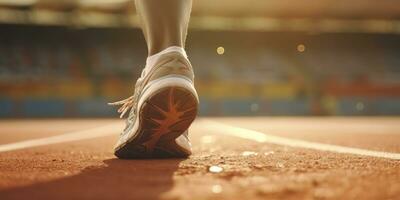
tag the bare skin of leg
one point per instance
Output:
(164, 22)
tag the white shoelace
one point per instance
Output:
(128, 103)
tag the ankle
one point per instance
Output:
(155, 49)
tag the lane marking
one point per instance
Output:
(101, 131)
(208, 125)
(261, 137)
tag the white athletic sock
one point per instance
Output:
(151, 60)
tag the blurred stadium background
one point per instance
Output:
(68, 58)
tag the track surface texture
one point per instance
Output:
(223, 166)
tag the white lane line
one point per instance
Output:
(218, 127)
(101, 131)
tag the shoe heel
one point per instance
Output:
(167, 115)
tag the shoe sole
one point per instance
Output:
(163, 117)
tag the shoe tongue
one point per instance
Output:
(153, 59)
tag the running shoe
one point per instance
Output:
(162, 108)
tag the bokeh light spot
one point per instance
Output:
(254, 107)
(301, 48)
(360, 106)
(220, 50)
(216, 188)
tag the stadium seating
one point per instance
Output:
(58, 71)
